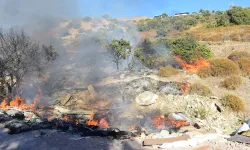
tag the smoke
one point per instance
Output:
(82, 60)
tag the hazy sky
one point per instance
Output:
(127, 8)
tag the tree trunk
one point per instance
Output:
(117, 65)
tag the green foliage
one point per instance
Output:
(232, 82)
(239, 15)
(168, 71)
(200, 89)
(119, 49)
(188, 49)
(233, 102)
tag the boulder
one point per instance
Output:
(146, 98)
(15, 114)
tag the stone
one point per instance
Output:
(15, 114)
(122, 76)
(146, 98)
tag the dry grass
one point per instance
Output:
(223, 67)
(238, 54)
(232, 83)
(244, 65)
(168, 71)
(204, 72)
(234, 33)
(233, 102)
(200, 89)
(219, 67)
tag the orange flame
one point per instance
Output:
(3, 104)
(185, 86)
(19, 102)
(159, 122)
(193, 67)
(102, 123)
(91, 121)
(178, 123)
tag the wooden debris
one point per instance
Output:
(149, 142)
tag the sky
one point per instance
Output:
(130, 8)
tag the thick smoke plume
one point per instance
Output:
(82, 59)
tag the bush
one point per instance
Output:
(238, 54)
(233, 102)
(187, 48)
(244, 65)
(204, 72)
(232, 82)
(168, 71)
(223, 67)
(200, 89)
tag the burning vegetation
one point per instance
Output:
(19, 102)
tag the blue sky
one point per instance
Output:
(129, 8)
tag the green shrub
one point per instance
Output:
(168, 71)
(238, 54)
(232, 83)
(200, 89)
(244, 65)
(223, 67)
(187, 49)
(233, 102)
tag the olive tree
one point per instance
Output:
(119, 50)
(21, 56)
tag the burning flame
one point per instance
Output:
(19, 102)
(159, 122)
(178, 123)
(193, 67)
(103, 123)
(91, 121)
(185, 86)
(3, 104)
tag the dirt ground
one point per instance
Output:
(54, 140)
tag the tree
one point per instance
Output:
(239, 15)
(119, 49)
(21, 56)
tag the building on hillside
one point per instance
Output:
(182, 14)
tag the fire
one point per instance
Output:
(159, 122)
(193, 67)
(19, 102)
(91, 121)
(103, 123)
(3, 104)
(185, 86)
(178, 123)
(133, 127)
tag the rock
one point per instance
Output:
(122, 76)
(65, 99)
(146, 98)
(164, 133)
(15, 114)
(170, 90)
(31, 116)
